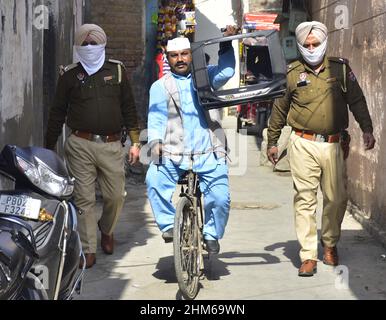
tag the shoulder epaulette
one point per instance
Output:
(116, 62)
(293, 65)
(344, 63)
(338, 60)
(70, 67)
(121, 68)
(63, 70)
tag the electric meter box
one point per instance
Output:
(290, 48)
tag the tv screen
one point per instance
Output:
(262, 69)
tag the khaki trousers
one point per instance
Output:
(89, 162)
(315, 164)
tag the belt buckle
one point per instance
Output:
(97, 138)
(320, 138)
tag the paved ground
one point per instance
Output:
(259, 254)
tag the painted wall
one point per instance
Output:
(17, 107)
(211, 16)
(35, 38)
(363, 43)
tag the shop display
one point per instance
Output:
(175, 18)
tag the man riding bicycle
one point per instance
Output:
(179, 126)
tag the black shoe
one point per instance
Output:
(212, 246)
(168, 235)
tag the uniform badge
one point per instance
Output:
(81, 76)
(109, 78)
(352, 77)
(303, 80)
(303, 76)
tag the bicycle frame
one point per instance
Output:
(188, 238)
(193, 193)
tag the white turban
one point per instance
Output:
(95, 32)
(304, 29)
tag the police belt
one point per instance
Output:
(96, 137)
(312, 136)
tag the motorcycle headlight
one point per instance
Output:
(45, 179)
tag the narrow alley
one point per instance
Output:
(259, 253)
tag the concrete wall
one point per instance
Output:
(19, 106)
(124, 22)
(265, 5)
(210, 19)
(35, 37)
(364, 45)
(212, 15)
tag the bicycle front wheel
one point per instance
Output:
(187, 253)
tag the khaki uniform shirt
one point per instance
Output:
(99, 104)
(318, 102)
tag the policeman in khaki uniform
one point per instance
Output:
(95, 99)
(315, 106)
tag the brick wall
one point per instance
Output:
(123, 23)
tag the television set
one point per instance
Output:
(263, 70)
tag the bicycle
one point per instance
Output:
(188, 238)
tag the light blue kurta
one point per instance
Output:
(213, 173)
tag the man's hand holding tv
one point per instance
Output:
(230, 30)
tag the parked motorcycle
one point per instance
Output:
(40, 248)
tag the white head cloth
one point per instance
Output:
(178, 44)
(92, 57)
(320, 31)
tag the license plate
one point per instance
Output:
(20, 206)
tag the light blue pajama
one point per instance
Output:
(161, 181)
